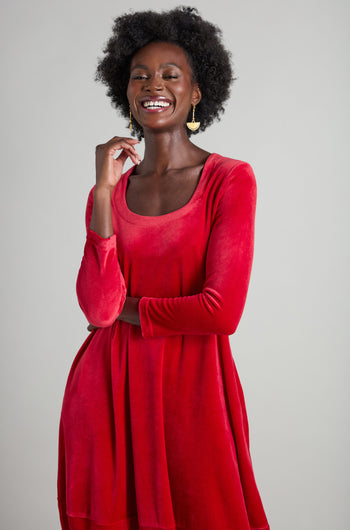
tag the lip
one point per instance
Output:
(155, 98)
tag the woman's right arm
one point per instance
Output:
(100, 284)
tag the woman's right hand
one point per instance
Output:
(108, 173)
(110, 169)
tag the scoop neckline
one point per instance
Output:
(145, 219)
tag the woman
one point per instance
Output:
(153, 431)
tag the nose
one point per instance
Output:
(155, 82)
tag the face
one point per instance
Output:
(161, 89)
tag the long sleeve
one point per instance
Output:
(100, 285)
(217, 309)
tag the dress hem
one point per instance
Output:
(129, 523)
(84, 522)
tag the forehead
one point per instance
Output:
(158, 53)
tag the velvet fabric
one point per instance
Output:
(154, 431)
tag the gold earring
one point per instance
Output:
(130, 120)
(193, 125)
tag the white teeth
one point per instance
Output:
(155, 104)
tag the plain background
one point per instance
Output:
(289, 117)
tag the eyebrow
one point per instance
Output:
(144, 67)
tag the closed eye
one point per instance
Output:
(136, 77)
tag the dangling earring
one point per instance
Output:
(130, 120)
(193, 125)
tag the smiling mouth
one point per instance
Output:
(155, 104)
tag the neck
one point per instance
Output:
(167, 150)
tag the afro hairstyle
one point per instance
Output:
(202, 42)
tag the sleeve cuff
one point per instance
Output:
(146, 327)
(106, 242)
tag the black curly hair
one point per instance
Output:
(183, 26)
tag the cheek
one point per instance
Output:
(129, 92)
(184, 90)
(185, 93)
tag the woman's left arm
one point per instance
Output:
(218, 308)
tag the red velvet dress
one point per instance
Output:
(154, 431)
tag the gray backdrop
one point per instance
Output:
(289, 117)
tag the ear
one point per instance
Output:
(196, 94)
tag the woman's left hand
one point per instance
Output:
(130, 313)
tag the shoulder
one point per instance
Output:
(231, 167)
(224, 171)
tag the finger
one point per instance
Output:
(127, 139)
(125, 154)
(122, 157)
(123, 145)
(135, 157)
